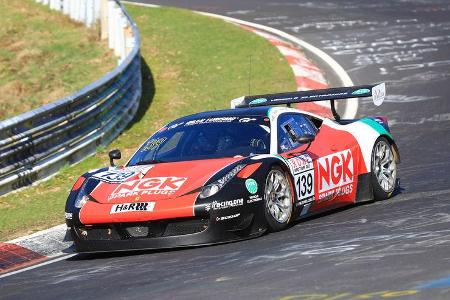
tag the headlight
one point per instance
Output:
(209, 190)
(82, 197)
(213, 188)
(81, 200)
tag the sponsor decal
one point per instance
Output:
(254, 198)
(153, 144)
(175, 125)
(378, 94)
(284, 99)
(303, 170)
(211, 120)
(223, 218)
(114, 175)
(300, 163)
(336, 175)
(132, 207)
(361, 92)
(68, 216)
(246, 120)
(215, 205)
(251, 185)
(148, 186)
(258, 101)
(225, 179)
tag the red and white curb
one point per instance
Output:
(307, 75)
(47, 246)
(36, 248)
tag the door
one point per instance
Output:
(325, 171)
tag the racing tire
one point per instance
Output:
(278, 196)
(384, 169)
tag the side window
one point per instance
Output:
(290, 125)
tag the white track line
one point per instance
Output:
(141, 4)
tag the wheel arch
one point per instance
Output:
(394, 147)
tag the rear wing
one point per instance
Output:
(377, 92)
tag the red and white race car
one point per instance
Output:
(233, 174)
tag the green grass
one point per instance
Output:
(198, 63)
(45, 56)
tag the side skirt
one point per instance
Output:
(364, 190)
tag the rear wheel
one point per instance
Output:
(278, 195)
(384, 169)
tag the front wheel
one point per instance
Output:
(278, 204)
(384, 169)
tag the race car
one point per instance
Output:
(233, 174)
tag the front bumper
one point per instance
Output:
(184, 232)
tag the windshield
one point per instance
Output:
(206, 138)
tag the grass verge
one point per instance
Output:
(44, 56)
(191, 63)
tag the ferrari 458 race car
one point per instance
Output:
(232, 174)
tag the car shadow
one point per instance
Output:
(148, 93)
(397, 191)
(137, 252)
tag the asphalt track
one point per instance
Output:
(398, 248)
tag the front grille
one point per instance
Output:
(137, 231)
(99, 233)
(152, 229)
(183, 227)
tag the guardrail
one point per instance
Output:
(36, 144)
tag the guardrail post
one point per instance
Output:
(66, 7)
(97, 7)
(129, 40)
(57, 5)
(118, 32)
(111, 13)
(123, 46)
(83, 11)
(104, 19)
(90, 13)
(74, 9)
(78, 12)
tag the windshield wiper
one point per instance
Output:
(150, 161)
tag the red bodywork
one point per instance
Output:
(333, 163)
(170, 188)
(336, 161)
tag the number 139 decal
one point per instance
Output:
(304, 184)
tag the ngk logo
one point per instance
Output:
(154, 185)
(335, 170)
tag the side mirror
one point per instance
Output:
(306, 138)
(114, 154)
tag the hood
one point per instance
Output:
(156, 182)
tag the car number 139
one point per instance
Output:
(304, 183)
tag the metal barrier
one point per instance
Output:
(36, 144)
